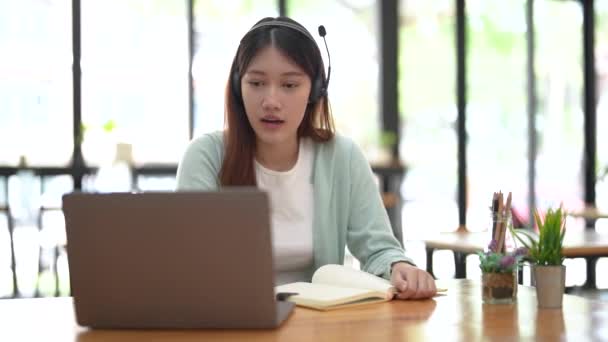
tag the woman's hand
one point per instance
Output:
(412, 282)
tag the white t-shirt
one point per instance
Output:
(291, 208)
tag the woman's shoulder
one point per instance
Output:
(208, 145)
(213, 139)
(200, 164)
(342, 153)
(339, 146)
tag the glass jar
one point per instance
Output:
(499, 288)
(502, 223)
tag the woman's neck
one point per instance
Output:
(277, 157)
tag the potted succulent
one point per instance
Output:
(545, 255)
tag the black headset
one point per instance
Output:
(318, 86)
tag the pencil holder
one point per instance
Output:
(504, 222)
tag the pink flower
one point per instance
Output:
(507, 261)
(493, 245)
(521, 251)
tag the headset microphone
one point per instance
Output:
(322, 33)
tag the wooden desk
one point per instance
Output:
(457, 316)
(587, 244)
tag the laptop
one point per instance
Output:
(172, 260)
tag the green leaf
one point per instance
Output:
(546, 247)
(109, 126)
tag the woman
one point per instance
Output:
(279, 136)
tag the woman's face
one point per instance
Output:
(275, 93)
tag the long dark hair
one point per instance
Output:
(239, 137)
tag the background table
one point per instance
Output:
(587, 244)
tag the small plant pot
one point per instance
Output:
(550, 284)
(499, 288)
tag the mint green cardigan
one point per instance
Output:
(348, 209)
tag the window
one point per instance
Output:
(352, 39)
(156, 183)
(6, 272)
(497, 118)
(3, 192)
(219, 26)
(428, 115)
(560, 115)
(134, 79)
(35, 82)
(601, 64)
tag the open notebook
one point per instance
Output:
(337, 286)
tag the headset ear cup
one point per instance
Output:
(317, 90)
